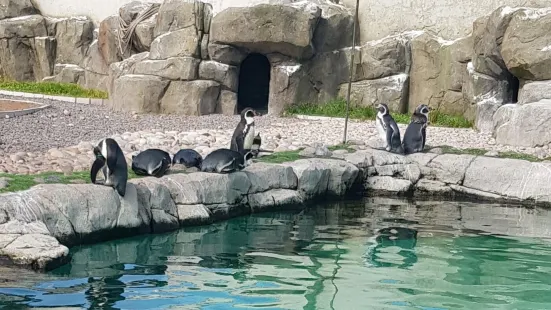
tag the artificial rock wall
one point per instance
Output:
(186, 60)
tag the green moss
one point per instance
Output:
(515, 155)
(280, 157)
(19, 182)
(52, 88)
(342, 146)
(337, 108)
(446, 149)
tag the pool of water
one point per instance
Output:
(370, 254)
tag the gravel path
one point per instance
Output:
(60, 138)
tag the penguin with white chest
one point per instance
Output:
(415, 135)
(388, 130)
(225, 161)
(110, 159)
(244, 134)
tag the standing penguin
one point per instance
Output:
(243, 135)
(415, 136)
(151, 162)
(388, 130)
(225, 161)
(110, 159)
(188, 157)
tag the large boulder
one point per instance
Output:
(534, 91)
(179, 14)
(145, 33)
(227, 103)
(488, 32)
(289, 84)
(74, 36)
(179, 43)
(524, 125)
(23, 27)
(124, 67)
(109, 31)
(17, 60)
(96, 70)
(226, 75)
(129, 11)
(199, 97)
(287, 29)
(16, 8)
(68, 73)
(175, 68)
(527, 44)
(392, 90)
(335, 21)
(438, 69)
(44, 54)
(225, 54)
(138, 93)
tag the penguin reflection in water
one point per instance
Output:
(388, 130)
(225, 161)
(415, 136)
(151, 162)
(110, 159)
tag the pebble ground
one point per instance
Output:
(60, 138)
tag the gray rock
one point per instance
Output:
(387, 184)
(199, 97)
(392, 90)
(426, 187)
(176, 68)
(227, 103)
(409, 172)
(317, 150)
(207, 17)
(23, 27)
(4, 182)
(176, 15)
(145, 33)
(264, 177)
(509, 178)
(6, 239)
(528, 59)
(226, 211)
(524, 125)
(191, 215)
(179, 43)
(68, 73)
(108, 40)
(292, 38)
(138, 93)
(45, 50)
(534, 91)
(129, 11)
(226, 75)
(313, 177)
(41, 252)
(449, 168)
(334, 21)
(16, 8)
(164, 213)
(274, 198)
(16, 59)
(74, 36)
(94, 61)
(225, 54)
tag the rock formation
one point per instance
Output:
(186, 59)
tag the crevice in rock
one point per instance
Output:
(513, 88)
(466, 169)
(254, 83)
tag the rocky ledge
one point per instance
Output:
(38, 225)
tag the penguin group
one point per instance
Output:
(110, 159)
(414, 137)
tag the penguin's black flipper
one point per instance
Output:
(121, 188)
(96, 167)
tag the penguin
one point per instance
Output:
(415, 135)
(388, 130)
(110, 159)
(243, 135)
(151, 162)
(188, 157)
(225, 161)
(255, 147)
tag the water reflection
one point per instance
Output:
(374, 254)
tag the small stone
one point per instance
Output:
(66, 112)
(4, 182)
(7, 116)
(491, 154)
(67, 170)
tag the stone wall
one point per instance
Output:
(38, 225)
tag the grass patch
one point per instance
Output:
(52, 88)
(446, 149)
(342, 146)
(20, 182)
(337, 108)
(280, 157)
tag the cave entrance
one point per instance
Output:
(254, 83)
(514, 86)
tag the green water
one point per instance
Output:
(372, 254)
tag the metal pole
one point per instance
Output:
(351, 71)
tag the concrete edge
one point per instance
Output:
(15, 113)
(76, 100)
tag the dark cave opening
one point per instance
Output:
(514, 86)
(254, 83)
